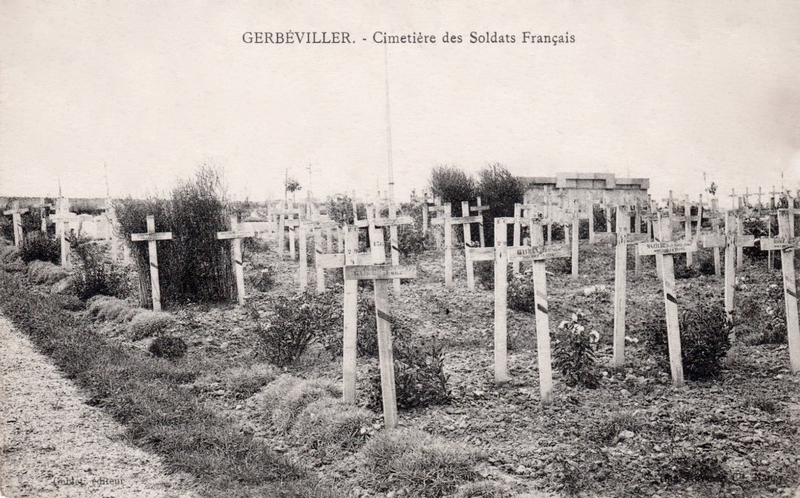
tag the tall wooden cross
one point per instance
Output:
(538, 255)
(44, 210)
(663, 249)
(62, 219)
(731, 241)
(235, 235)
(394, 221)
(317, 226)
(151, 237)
(380, 275)
(445, 219)
(479, 209)
(787, 243)
(16, 218)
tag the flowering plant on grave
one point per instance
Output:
(574, 353)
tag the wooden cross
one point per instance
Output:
(446, 221)
(285, 222)
(787, 243)
(623, 238)
(151, 237)
(317, 226)
(731, 242)
(441, 212)
(393, 221)
(44, 210)
(380, 275)
(663, 249)
(519, 210)
(62, 220)
(538, 255)
(16, 218)
(235, 235)
(479, 209)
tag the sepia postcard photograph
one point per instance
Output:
(367, 249)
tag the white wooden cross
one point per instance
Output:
(316, 226)
(151, 237)
(380, 275)
(663, 249)
(787, 243)
(393, 221)
(235, 235)
(62, 220)
(445, 219)
(731, 242)
(44, 210)
(479, 209)
(624, 237)
(538, 255)
(16, 218)
(441, 212)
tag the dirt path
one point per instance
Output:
(54, 445)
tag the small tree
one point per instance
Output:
(452, 185)
(500, 190)
(292, 185)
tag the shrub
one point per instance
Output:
(340, 209)
(331, 426)
(45, 273)
(194, 266)
(520, 291)
(704, 330)
(484, 274)
(452, 185)
(417, 462)
(262, 279)
(574, 354)
(295, 323)
(94, 276)
(37, 246)
(287, 396)
(500, 190)
(170, 348)
(418, 373)
(149, 324)
(764, 315)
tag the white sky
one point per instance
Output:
(663, 90)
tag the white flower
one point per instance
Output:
(563, 324)
(595, 336)
(574, 317)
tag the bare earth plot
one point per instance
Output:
(54, 445)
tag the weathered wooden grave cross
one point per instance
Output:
(392, 222)
(380, 275)
(538, 255)
(624, 237)
(62, 219)
(663, 249)
(16, 218)
(787, 243)
(151, 237)
(235, 235)
(317, 226)
(732, 242)
(478, 210)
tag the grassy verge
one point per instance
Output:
(146, 395)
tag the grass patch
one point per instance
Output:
(45, 273)
(332, 427)
(287, 396)
(146, 395)
(150, 324)
(417, 462)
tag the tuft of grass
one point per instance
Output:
(243, 382)
(763, 402)
(170, 348)
(417, 462)
(287, 396)
(45, 273)
(8, 254)
(110, 309)
(606, 431)
(149, 324)
(331, 426)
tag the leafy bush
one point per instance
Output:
(37, 246)
(484, 274)
(704, 331)
(418, 373)
(452, 185)
(295, 323)
(520, 291)
(340, 209)
(45, 273)
(194, 266)
(500, 190)
(417, 462)
(170, 348)
(764, 315)
(574, 354)
(94, 275)
(149, 324)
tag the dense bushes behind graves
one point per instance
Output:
(194, 266)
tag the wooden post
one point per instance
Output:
(394, 241)
(151, 237)
(350, 346)
(664, 250)
(424, 214)
(302, 272)
(591, 220)
(575, 236)
(380, 275)
(715, 230)
(687, 214)
(730, 263)
(517, 230)
(62, 219)
(620, 281)
(16, 219)
(235, 236)
(637, 230)
(740, 232)
(281, 232)
(466, 226)
(500, 302)
(480, 209)
(787, 243)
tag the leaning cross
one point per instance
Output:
(151, 237)
(235, 236)
(16, 218)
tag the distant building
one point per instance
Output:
(598, 187)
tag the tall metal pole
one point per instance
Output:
(388, 125)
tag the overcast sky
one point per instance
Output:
(665, 90)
